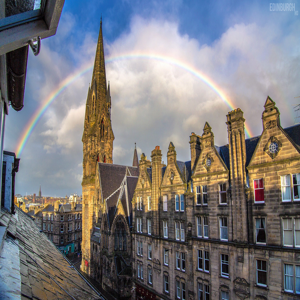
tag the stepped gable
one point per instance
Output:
(34, 264)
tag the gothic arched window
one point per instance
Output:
(120, 236)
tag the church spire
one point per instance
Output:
(99, 66)
(135, 162)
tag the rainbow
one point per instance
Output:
(71, 78)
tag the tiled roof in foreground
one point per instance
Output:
(32, 268)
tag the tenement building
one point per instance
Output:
(62, 224)
(223, 225)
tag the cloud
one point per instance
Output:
(153, 101)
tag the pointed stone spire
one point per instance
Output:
(99, 66)
(135, 162)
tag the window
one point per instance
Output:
(179, 231)
(180, 261)
(290, 190)
(149, 202)
(139, 225)
(61, 239)
(296, 186)
(150, 276)
(183, 290)
(138, 270)
(198, 195)
(61, 217)
(166, 257)
(149, 226)
(222, 195)
(139, 248)
(224, 295)
(51, 217)
(180, 290)
(51, 227)
(259, 191)
(286, 188)
(291, 232)
(165, 203)
(261, 272)
(292, 278)
(224, 265)
(140, 273)
(69, 227)
(44, 226)
(201, 194)
(139, 203)
(166, 283)
(177, 202)
(203, 262)
(75, 216)
(61, 228)
(260, 224)
(203, 233)
(48, 217)
(223, 229)
(181, 202)
(165, 227)
(203, 291)
(149, 251)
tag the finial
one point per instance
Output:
(101, 20)
(135, 145)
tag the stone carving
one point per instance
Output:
(271, 124)
(241, 288)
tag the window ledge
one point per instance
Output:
(261, 286)
(223, 277)
(259, 203)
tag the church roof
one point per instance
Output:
(113, 178)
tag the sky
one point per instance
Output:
(180, 60)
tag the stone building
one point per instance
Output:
(107, 192)
(224, 225)
(63, 226)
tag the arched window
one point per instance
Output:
(120, 236)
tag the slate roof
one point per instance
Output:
(111, 178)
(67, 208)
(294, 133)
(49, 208)
(32, 266)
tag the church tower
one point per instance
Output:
(97, 142)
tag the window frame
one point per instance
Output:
(166, 256)
(261, 271)
(258, 229)
(149, 252)
(259, 188)
(177, 204)
(149, 227)
(222, 227)
(165, 229)
(149, 203)
(222, 192)
(224, 262)
(166, 284)
(181, 202)
(165, 202)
